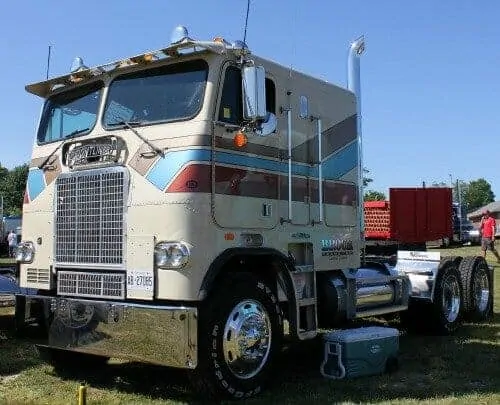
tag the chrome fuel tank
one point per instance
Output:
(373, 287)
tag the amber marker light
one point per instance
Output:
(229, 236)
(240, 139)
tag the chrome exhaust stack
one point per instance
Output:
(354, 84)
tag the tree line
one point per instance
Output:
(473, 194)
(12, 187)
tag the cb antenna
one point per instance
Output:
(246, 22)
(48, 63)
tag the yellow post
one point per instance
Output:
(82, 395)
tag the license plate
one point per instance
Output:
(140, 281)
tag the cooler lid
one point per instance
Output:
(359, 334)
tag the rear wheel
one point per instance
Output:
(476, 284)
(447, 304)
(443, 314)
(241, 331)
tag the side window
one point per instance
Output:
(231, 106)
(270, 96)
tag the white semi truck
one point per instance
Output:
(184, 204)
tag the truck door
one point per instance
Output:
(245, 186)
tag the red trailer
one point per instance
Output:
(411, 217)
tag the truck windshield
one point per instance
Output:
(70, 113)
(166, 93)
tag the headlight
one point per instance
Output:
(25, 252)
(171, 255)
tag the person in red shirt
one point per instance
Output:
(487, 229)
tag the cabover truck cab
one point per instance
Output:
(184, 205)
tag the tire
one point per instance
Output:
(19, 316)
(240, 299)
(477, 291)
(446, 308)
(21, 328)
(426, 317)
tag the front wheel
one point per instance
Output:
(241, 331)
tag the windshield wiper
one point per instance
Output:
(129, 124)
(76, 132)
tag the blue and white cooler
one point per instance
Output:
(351, 353)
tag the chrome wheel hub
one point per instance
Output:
(247, 339)
(482, 290)
(451, 298)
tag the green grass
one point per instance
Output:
(459, 369)
(7, 260)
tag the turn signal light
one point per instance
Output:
(240, 139)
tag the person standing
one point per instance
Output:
(487, 229)
(12, 240)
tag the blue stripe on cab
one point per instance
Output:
(36, 183)
(260, 163)
(164, 169)
(334, 167)
(337, 165)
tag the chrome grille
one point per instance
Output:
(89, 217)
(92, 285)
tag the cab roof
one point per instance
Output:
(80, 73)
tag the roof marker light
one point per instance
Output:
(179, 34)
(78, 65)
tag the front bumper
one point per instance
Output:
(163, 335)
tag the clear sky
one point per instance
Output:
(430, 81)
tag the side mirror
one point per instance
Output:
(268, 126)
(254, 93)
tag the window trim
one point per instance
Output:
(222, 82)
(101, 91)
(273, 82)
(105, 103)
(222, 79)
